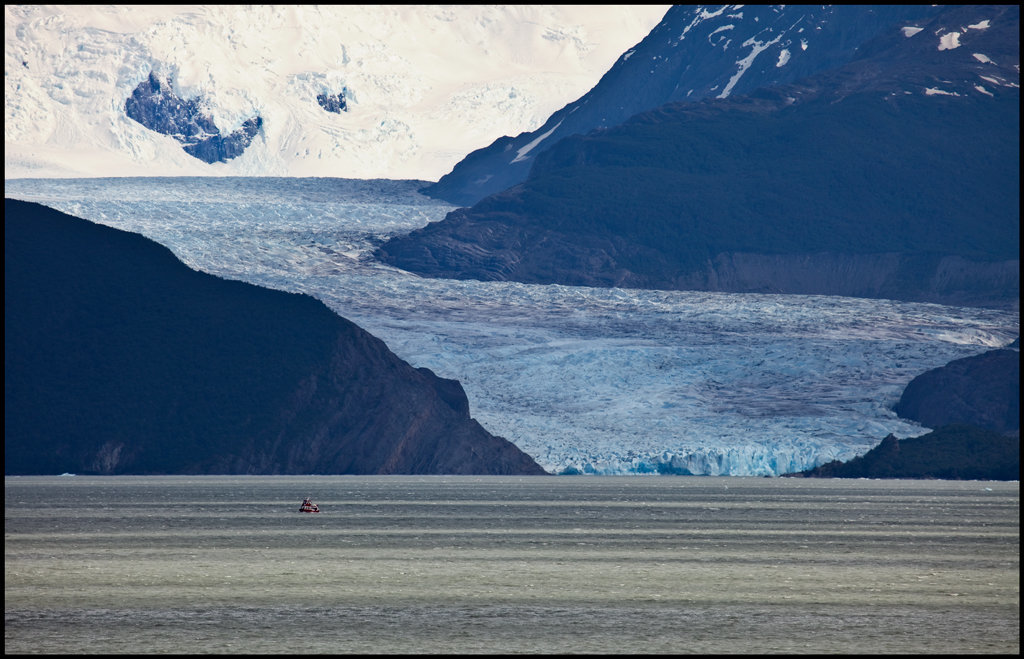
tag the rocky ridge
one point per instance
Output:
(694, 53)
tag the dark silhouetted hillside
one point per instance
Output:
(952, 452)
(119, 359)
(982, 391)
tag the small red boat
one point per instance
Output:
(308, 506)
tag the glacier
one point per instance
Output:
(585, 380)
(424, 84)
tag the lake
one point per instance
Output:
(437, 564)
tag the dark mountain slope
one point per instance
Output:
(695, 52)
(982, 391)
(974, 406)
(894, 176)
(952, 452)
(119, 359)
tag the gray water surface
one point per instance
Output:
(509, 565)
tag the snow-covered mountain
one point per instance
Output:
(422, 85)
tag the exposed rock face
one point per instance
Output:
(221, 149)
(333, 102)
(982, 391)
(849, 182)
(951, 452)
(154, 105)
(121, 360)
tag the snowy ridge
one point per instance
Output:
(425, 84)
(606, 381)
(699, 53)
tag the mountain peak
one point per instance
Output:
(698, 54)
